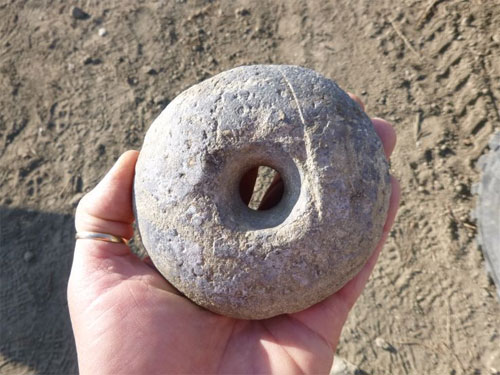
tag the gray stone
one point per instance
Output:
(79, 14)
(28, 256)
(342, 366)
(257, 264)
(381, 343)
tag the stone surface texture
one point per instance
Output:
(257, 264)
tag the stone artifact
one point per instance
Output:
(248, 263)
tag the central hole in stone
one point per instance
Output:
(261, 188)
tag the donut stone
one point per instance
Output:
(246, 263)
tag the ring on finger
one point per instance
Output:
(106, 237)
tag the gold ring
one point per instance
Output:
(100, 237)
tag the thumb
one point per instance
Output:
(108, 207)
(97, 265)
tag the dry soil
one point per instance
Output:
(75, 93)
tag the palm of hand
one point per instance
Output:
(135, 308)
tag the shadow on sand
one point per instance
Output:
(36, 250)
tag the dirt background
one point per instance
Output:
(72, 100)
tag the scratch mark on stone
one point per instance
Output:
(315, 188)
(299, 108)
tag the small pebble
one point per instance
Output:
(79, 14)
(467, 21)
(159, 100)
(89, 60)
(448, 108)
(28, 256)
(102, 32)
(343, 367)
(381, 343)
(149, 70)
(460, 188)
(242, 12)
(132, 81)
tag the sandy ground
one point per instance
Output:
(72, 100)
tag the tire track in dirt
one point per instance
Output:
(462, 78)
(431, 249)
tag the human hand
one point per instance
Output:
(127, 319)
